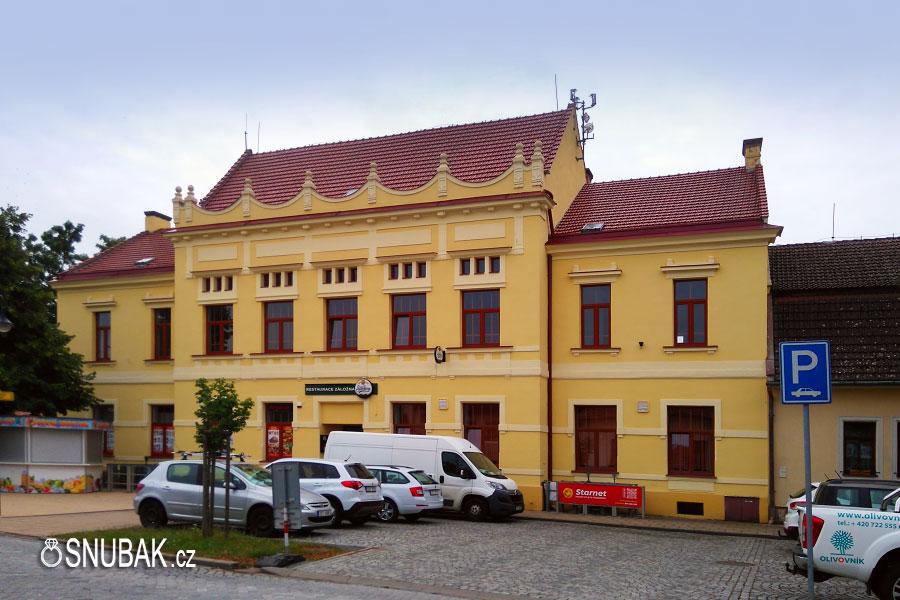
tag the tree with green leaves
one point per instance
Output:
(220, 414)
(35, 360)
(106, 242)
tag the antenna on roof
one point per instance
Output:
(587, 128)
(556, 91)
(245, 132)
(258, 127)
(833, 208)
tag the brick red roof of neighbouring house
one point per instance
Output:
(476, 152)
(846, 292)
(121, 259)
(666, 204)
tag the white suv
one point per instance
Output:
(352, 490)
(408, 492)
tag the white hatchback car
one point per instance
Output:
(792, 516)
(408, 492)
(173, 491)
(353, 491)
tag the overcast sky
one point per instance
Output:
(106, 107)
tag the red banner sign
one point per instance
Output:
(599, 494)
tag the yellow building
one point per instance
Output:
(848, 293)
(305, 272)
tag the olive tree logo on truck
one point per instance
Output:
(842, 541)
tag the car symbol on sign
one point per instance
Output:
(806, 392)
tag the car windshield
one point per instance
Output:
(802, 492)
(422, 477)
(255, 474)
(484, 464)
(359, 471)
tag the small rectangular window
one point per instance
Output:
(326, 276)
(217, 284)
(407, 271)
(102, 336)
(465, 266)
(479, 265)
(352, 275)
(229, 283)
(264, 280)
(495, 264)
(162, 332)
(690, 312)
(276, 279)
(206, 284)
(394, 271)
(339, 275)
(289, 279)
(420, 269)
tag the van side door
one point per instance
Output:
(453, 486)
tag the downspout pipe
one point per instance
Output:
(549, 368)
(772, 514)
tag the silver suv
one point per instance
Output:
(173, 491)
(408, 492)
(353, 491)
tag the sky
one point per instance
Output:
(106, 106)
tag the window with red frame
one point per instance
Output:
(106, 413)
(219, 329)
(342, 324)
(409, 418)
(162, 333)
(102, 336)
(690, 312)
(408, 320)
(595, 439)
(595, 316)
(162, 433)
(691, 431)
(482, 428)
(279, 432)
(481, 318)
(279, 324)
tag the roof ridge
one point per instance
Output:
(665, 176)
(247, 153)
(839, 241)
(403, 133)
(102, 254)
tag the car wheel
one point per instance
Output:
(887, 587)
(388, 512)
(152, 514)
(338, 511)
(475, 509)
(412, 518)
(261, 522)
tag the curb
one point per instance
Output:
(765, 536)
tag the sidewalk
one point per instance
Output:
(45, 515)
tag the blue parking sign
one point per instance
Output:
(805, 372)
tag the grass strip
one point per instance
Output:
(238, 547)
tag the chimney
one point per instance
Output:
(751, 151)
(154, 221)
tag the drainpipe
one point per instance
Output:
(772, 514)
(549, 368)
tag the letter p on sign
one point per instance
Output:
(796, 367)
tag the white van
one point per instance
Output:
(470, 482)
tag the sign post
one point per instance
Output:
(805, 369)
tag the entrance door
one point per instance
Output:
(279, 433)
(482, 428)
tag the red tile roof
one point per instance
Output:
(476, 152)
(870, 263)
(689, 200)
(120, 259)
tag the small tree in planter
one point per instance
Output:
(220, 413)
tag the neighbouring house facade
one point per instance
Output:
(848, 293)
(422, 283)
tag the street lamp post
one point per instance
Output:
(5, 326)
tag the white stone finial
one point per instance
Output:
(308, 188)
(443, 171)
(246, 196)
(190, 195)
(519, 166)
(372, 181)
(537, 165)
(177, 206)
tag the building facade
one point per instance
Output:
(431, 268)
(848, 293)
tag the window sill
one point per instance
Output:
(278, 354)
(339, 352)
(101, 363)
(159, 361)
(683, 476)
(463, 349)
(217, 356)
(610, 351)
(415, 350)
(673, 349)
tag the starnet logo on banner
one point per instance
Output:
(122, 553)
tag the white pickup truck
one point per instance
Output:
(859, 543)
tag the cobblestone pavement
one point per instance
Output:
(23, 577)
(560, 560)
